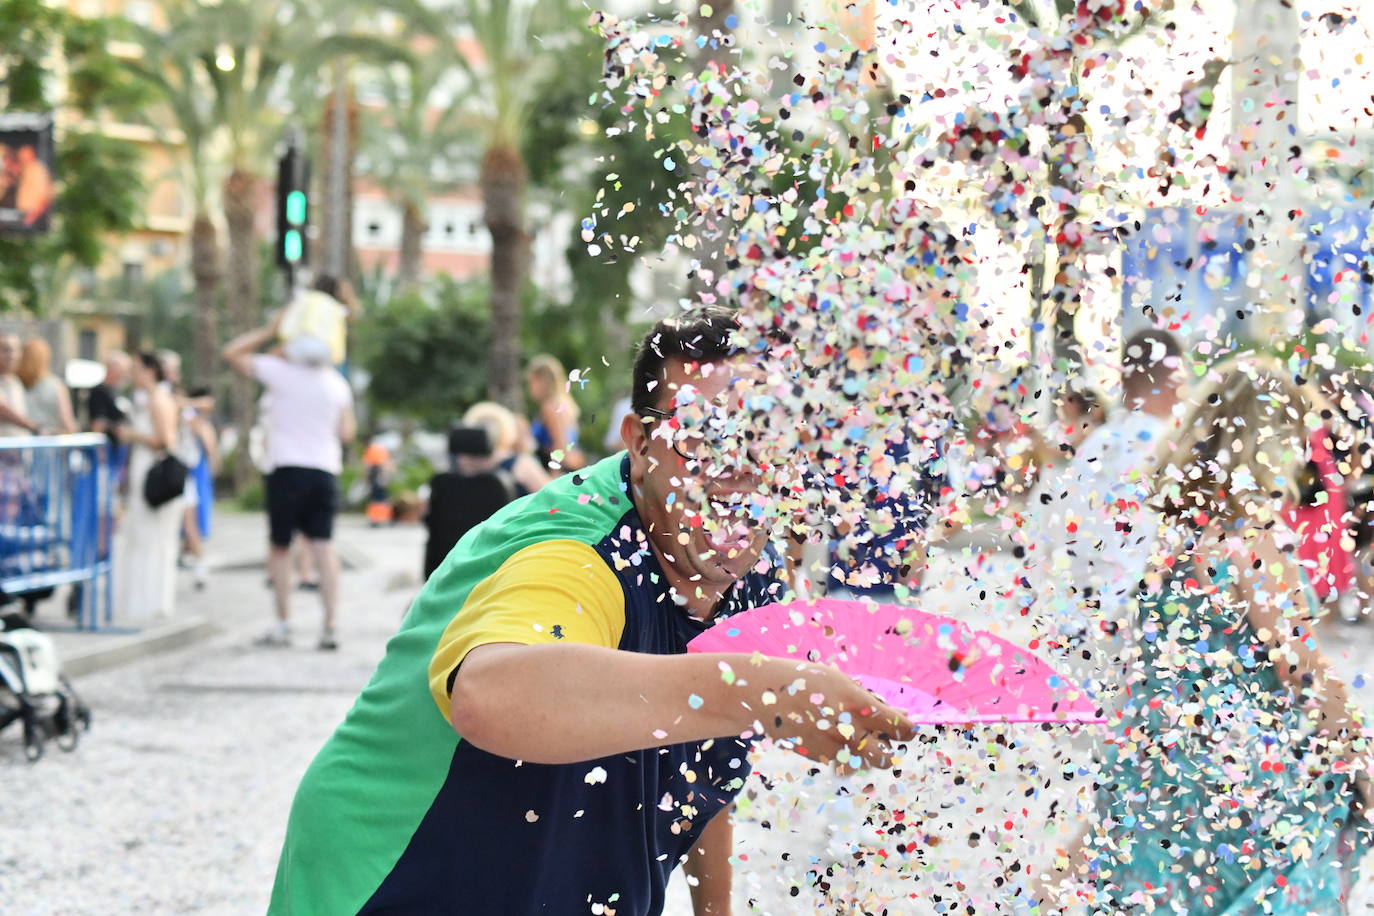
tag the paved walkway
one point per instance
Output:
(177, 799)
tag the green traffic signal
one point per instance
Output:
(295, 209)
(291, 245)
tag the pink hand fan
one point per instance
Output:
(936, 669)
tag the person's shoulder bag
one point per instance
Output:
(166, 481)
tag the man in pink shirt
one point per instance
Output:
(309, 418)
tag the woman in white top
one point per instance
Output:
(148, 547)
(49, 401)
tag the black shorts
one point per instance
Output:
(304, 500)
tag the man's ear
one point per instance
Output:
(633, 433)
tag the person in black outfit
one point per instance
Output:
(104, 413)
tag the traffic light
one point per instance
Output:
(293, 208)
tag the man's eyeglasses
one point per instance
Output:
(695, 440)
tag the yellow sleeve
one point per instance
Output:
(549, 592)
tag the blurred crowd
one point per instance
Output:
(148, 415)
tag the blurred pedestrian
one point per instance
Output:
(171, 368)
(378, 466)
(14, 405)
(49, 401)
(309, 418)
(199, 448)
(107, 411)
(107, 406)
(1101, 533)
(490, 465)
(888, 549)
(556, 413)
(1356, 404)
(1078, 413)
(612, 442)
(191, 450)
(149, 536)
(1322, 514)
(313, 325)
(1240, 753)
(503, 434)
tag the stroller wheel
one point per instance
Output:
(68, 739)
(67, 727)
(79, 711)
(33, 740)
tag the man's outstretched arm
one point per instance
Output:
(568, 702)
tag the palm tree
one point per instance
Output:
(242, 49)
(179, 85)
(224, 69)
(414, 147)
(337, 52)
(513, 49)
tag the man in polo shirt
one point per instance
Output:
(536, 740)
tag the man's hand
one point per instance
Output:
(513, 701)
(827, 716)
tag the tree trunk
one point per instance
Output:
(240, 199)
(334, 254)
(412, 247)
(206, 274)
(503, 211)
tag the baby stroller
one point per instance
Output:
(34, 692)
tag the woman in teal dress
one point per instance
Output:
(1229, 786)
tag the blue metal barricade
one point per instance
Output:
(56, 520)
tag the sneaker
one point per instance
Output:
(200, 575)
(308, 586)
(327, 641)
(278, 637)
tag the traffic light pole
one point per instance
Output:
(293, 209)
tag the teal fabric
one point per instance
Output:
(1215, 803)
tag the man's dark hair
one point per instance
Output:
(702, 334)
(327, 284)
(151, 361)
(1147, 361)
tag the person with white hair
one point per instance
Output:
(503, 434)
(309, 418)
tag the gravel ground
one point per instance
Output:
(176, 801)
